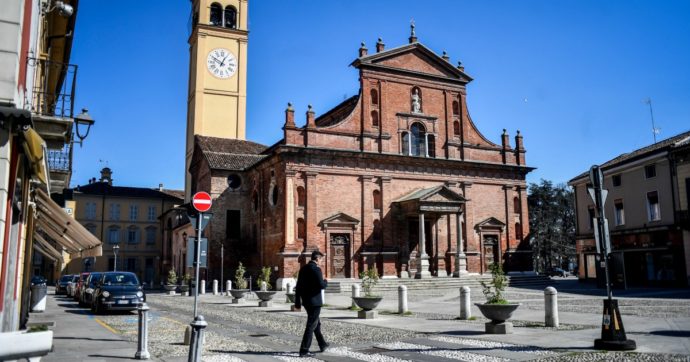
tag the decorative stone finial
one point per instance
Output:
(504, 131)
(289, 107)
(380, 45)
(413, 36)
(309, 108)
(363, 50)
(460, 66)
(445, 56)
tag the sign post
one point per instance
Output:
(201, 201)
(612, 331)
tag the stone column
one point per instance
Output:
(367, 207)
(422, 257)
(289, 210)
(460, 257)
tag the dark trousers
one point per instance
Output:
(313, 328)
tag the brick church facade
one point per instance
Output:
(397, 177)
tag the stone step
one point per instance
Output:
(470, 280)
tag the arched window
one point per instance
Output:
(516, 205)
(518, 231)
(374, 118)
(405, 143)
(377, 199)
(456, 108)
(376, 235)
(230, 15)
(431, 143)
(417, 140)
(301, 229)
(374, 97)
(456, 128)
(301, 197)
(216, 15)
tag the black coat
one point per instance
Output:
(309, 284)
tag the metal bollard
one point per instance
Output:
(228, 287)
(355, 294)
(263, 286)
(551, 307)
(202, 290)
(215, 286)
(402, 299)
(196, 345)
(465, 309)
(142, 342)
(288, 291)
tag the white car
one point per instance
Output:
(71, 285)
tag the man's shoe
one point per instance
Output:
(325, 347)
(306, 354)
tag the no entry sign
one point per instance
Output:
(201, 201)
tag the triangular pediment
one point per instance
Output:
(490, 223)
(414, 58)
(340, 218)
(433, 194)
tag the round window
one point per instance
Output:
(234, 181)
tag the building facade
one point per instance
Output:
(37, 122)
(126, 220)
(647, 212)
(396, 178)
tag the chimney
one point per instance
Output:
(310, 117)
(505, 140)
(363, 50)
(445, 56)
(518, 141)
(460, 66)
(380, 46)
(160, 187)
(107, 175)
(289, 116)
(413, 36)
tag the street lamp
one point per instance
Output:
(115, 249)
(82, 120)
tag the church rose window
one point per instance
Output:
(216, 14)
(234, 181)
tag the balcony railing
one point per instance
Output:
(60, 160)
(53, 92)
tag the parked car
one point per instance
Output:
(80, 283)
(37, 279)
(117, 291)
(86, 292)
(72, 285)
(61, 286)
(557, 272)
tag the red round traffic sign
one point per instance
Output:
(201, 201)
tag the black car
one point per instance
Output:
(117, 291)
(61, 287)
(86, 297)
(37, 280)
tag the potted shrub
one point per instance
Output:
(369, 301)
(265, 277)
(497, 309)
(172, 282)
(184, 283)
(240, 283)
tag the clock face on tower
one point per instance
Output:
(221, 63)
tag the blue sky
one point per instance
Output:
(570, 75)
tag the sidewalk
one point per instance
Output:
(79, 336)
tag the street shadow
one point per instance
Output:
(341, 318)
(108, 356)
(683, 334)
(93, 339)
(77, 311)
(462, 333)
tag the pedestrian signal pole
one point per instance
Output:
(612, 331)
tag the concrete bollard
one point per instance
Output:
(551, 307)
(215, 286)
(355, 293)
(202, 290)
(288, 290)
(142, 341)
(228, 287)
(323, 296)
(465, 301)
(187, 335)
(263, 286)
(402, 299)
(197, 342)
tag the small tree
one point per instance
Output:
(370, 278)
(240, 282)
(186, 278)
(265, 276)
(172, 277)
(493, 291)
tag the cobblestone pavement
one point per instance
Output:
(247, 333)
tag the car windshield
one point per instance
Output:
(66, 278)
(94, 279)
(120, 279)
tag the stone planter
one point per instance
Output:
(170, 287)
(498, 314)
(290, 297)
(184, 288)
(367, 303)
(265, 295)
(238, 293)
(20, 345)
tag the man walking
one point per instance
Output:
(310, 282)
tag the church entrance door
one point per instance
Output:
(490, 250)
(340, 256)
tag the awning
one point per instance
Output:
(42, 246)
(35, 148)
(19, 116)
(52, 222)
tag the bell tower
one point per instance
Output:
(217, 95)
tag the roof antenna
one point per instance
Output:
(655, 131)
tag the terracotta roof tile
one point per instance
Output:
(230, 154)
